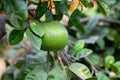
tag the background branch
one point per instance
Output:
(2, 26)
(84, 20)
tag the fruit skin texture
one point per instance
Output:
(55, 37)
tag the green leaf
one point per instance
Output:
(38, 58)
(41, 9)
(78, 45)
(109, 60)
(92, 78)
(91, 24)
(101, 7)
(116, 67)
(80, 70)
(83, 53)
(57, 74)
(74, 18)
(48, 16)
(94, 58)
(58, 16)
(37, 74)
(109, 51)
(111, 35)
(117, 40)
(101, 76)
(17, 12)
(92, 39)
(65, 5)
(36, 41)
(35, 1)
(85, 2)
(108, 2)
(101, 43)
(15, 36)
(8, 74)
(19, 62)
(37, 28)
(25, 69)
(1, 5)
(59, 11)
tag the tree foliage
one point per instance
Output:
(92, 52)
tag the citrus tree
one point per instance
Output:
(60, 39)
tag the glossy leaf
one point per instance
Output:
(109, 60)
(59, 11)
(78, 46)
(80, 70)
(108, 2)
(101, 7)
(92, 39)
(94, 58)
(37, 28)
(83, 53)
(36, 41)
(25, 69)
(38, 58)
(101, 43)
(92, 78)
(19, 62)
(35, 1)
(37, 74)
(109, 51)
(116, 67)
(15, 36)
(48, 16)
(74, 18)
(16, 12)
(57, 74)
(85, 2)
(41, 9)
(101, 76)
(0, 5)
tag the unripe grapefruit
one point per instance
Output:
(55, 37)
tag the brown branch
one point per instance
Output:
(2, 26)
(63, 57)
(92, 65)
(84, 20)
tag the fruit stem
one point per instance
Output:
(92, 65)
(60, 61)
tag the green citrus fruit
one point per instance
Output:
(55, 37)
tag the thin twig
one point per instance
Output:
(64, 58)
(92, 65)
(60, 60)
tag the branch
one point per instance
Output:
(2, 26)
(92, 65)
(84, 20)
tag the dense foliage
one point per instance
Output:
(92, 52)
